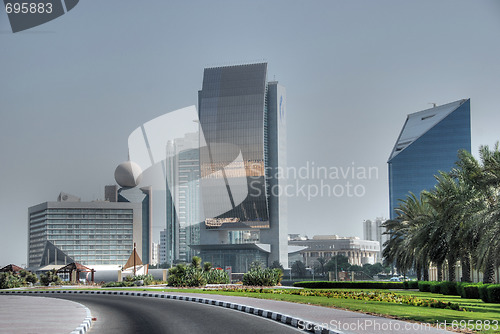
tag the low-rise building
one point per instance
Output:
(356, 250)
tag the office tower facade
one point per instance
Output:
(163, 246)
(429, 142)
(373, 230)
(242, 119)
(91, 233)
(183, 198)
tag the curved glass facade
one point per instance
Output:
(232, 113)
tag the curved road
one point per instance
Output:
(130, 314)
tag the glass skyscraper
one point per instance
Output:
(242, 118)
(183, 210)
(429, 142)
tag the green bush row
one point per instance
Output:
(410, 285)
(445, 288)
(348, 285)
(489, 293)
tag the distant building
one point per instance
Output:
(155, 254)
(183, 198)
(111, 193)
(428, 143)
(163, 246)
(356, 250)
(373, 230)
(91, 233)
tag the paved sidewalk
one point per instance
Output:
(40, 315)
(329, 318)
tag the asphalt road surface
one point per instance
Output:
(130, 314)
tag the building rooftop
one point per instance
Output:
(417, 124)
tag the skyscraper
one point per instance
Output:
(373, 230)
(242, 118)
(429, 142)
(183, 210)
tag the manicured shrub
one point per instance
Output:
(424, 286)
(410, 285)
(493, 291)
(348, 285)
(436, 287)
(483, 294)
(470, 291)
(449, 288)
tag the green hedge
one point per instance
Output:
(483, 294)
(493, 292)
(410, 285)
(424, 286)
(348, 285)
(449, 288)
(436, 287)
(469, 291)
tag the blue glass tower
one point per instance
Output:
(429, 142)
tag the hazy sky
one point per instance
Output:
(73, 89)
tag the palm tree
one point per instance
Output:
(481, 229)
(406, 246)
(449, 200)
(489, 244)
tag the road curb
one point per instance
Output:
(305, 325)
(80, 329)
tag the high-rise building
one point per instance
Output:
(163, 246)
(242, 118)
(155, 254)
(183, 198)
(429, 142)
(91, 233)
(373, 230)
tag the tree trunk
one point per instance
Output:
(465, 261)
(440, 272)
(419, 271)
(452, 277)
(489, 273)
(426, 273)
